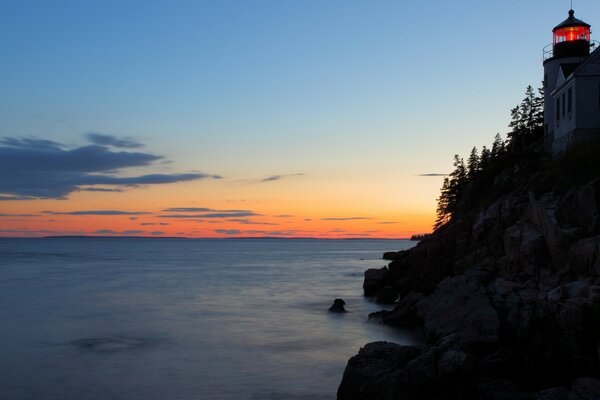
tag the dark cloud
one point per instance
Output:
(199, 209)
(188, 209)
(433, 174)
(250, 222)
(109, 140)
(283, 216)
(228, 231)
(164, 223)
(148, 224)
(93, 189)
(279, 177)
(387, 223)
(37, 169)
(96, 212)
(133, 232)
(233, 214)
(105, 232)
(344, 218)
(157, 233)
(17, 215)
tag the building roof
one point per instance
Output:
(569, 68)
(571, 21)
(590, 67)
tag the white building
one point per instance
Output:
(571, 86)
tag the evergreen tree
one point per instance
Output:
(473, 163)
(442, 212)
(485, 159)
(497, 147)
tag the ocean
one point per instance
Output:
(102, 318)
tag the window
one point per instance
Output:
(570, 96)
(558, 109)
(563, 105)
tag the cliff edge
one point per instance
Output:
(507, 292)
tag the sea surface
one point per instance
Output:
(183, 319)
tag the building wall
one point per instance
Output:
(588, 102)
(551, 71)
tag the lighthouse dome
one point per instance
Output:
(571, 38)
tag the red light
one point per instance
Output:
(572, 33)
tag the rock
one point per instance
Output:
(391, 255)
(554, 394)
(405, 313)
(585, 389)
(386, 295)
(375, 279)
(338, 306)
(373, 373)
(460, 306)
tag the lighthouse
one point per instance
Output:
(571, 85)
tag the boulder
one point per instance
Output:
(338, 306)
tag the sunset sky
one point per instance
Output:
(253, 118)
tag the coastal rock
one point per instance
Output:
(386, 295)
(585, 389)
(376, 371)
(338, 306)
(507, 295)
(375, 279)
(461, 307)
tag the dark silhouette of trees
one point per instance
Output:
(526, 126)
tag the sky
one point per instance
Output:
(330, 119)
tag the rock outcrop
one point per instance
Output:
(508, 298)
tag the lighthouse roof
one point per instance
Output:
(571, 21)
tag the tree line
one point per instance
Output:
(526, 131)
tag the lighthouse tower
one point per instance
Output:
(570, 48)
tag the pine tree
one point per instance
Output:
(497, 147)
(473, 163)
(485, 159)
(442, 212)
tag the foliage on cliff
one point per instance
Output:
(487, 174)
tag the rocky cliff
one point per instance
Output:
(507, 295)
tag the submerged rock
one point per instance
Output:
(338, 306)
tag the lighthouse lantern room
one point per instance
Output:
(571, 38)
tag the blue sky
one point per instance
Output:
(343, 92)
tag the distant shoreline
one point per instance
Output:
(196, 238)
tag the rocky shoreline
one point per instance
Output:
(508, 300)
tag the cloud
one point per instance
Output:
(228, 231)
(105, 232)
(199, 209)
(157, 233)
(41, 169)
(432, 174)
(109, 140)
(133, 232)
(344, 218)
(96, 212)
(279, 177)
(284, 216)
(17, 215)
(387, 223)
(250, 222)
(232, 214)
(148, 224)
(93, 189)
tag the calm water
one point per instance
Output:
(183, 319)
